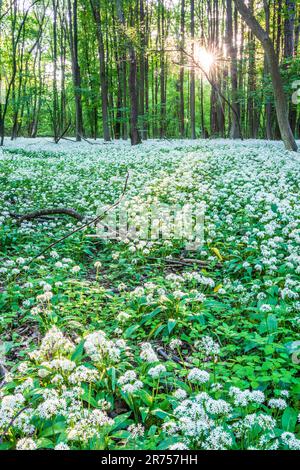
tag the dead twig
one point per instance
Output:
(3, 372)
(11, 423)
(87, 224)
(44, 212)
(190, 262)
(174, 358)
(92, 143)
(61, 136)
(176, 262)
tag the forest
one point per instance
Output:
(145, 69)
(149, 230)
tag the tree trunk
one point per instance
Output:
(181, 71)
(134, 132)
(192, 84)
(141, 86)
(289, 48)
(235, 129)
(103, 80)
(268, 107)
(73, 32)
(280, 99)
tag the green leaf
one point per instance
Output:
(289, 419)
(6, 445)
(120, 420)
(44, 443)
(158, 327)
(121, 434)
(89, 399)
(151, 315)
(160, 413)
(131, 330)
(159, 330)
(53, 429)
(171, 325)
(144, 413)
(272, 323)
(78, 353)
(145, 397)
(112, 374)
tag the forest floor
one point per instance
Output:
(142, 342)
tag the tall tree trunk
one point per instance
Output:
(141, 82)
(192, 84)
(73, 33)
(268, 107)
(161, 35)
(103, 79)
(289, 48)
(278, 6)
(235, 128)
(280, 99)
(134, 132)
(181, 71)
(297, 34)
(252, 114)
(54, 79)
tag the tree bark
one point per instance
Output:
(73, 33)
(192, 84)
(289, 48)
(134, 132)
(103, 80)
(280, 99)
(181, 71)
(235, 129)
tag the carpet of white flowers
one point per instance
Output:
(107, 344)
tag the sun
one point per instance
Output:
(204, 58)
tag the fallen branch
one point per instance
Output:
(3, 372)
(89, 142)
(70, 140)
(87, 224)
(44, 212)
(174, 358)
(190, 261)
(11, 423)
(187, 262)
(61, 136)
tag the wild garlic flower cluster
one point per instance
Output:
(157, 371)
(136, 431)
(129, 382)
(92, 423)
(208, 346)
(84, 374)
(103, 350)
(244, 397)
(175, 343)
(26, 444)
(123, 317)
(14, 406)
(198, 376)
(247, 196)
(203, 422)
(61, 385)
(147, 353)
(179, 287)
(53, 343)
